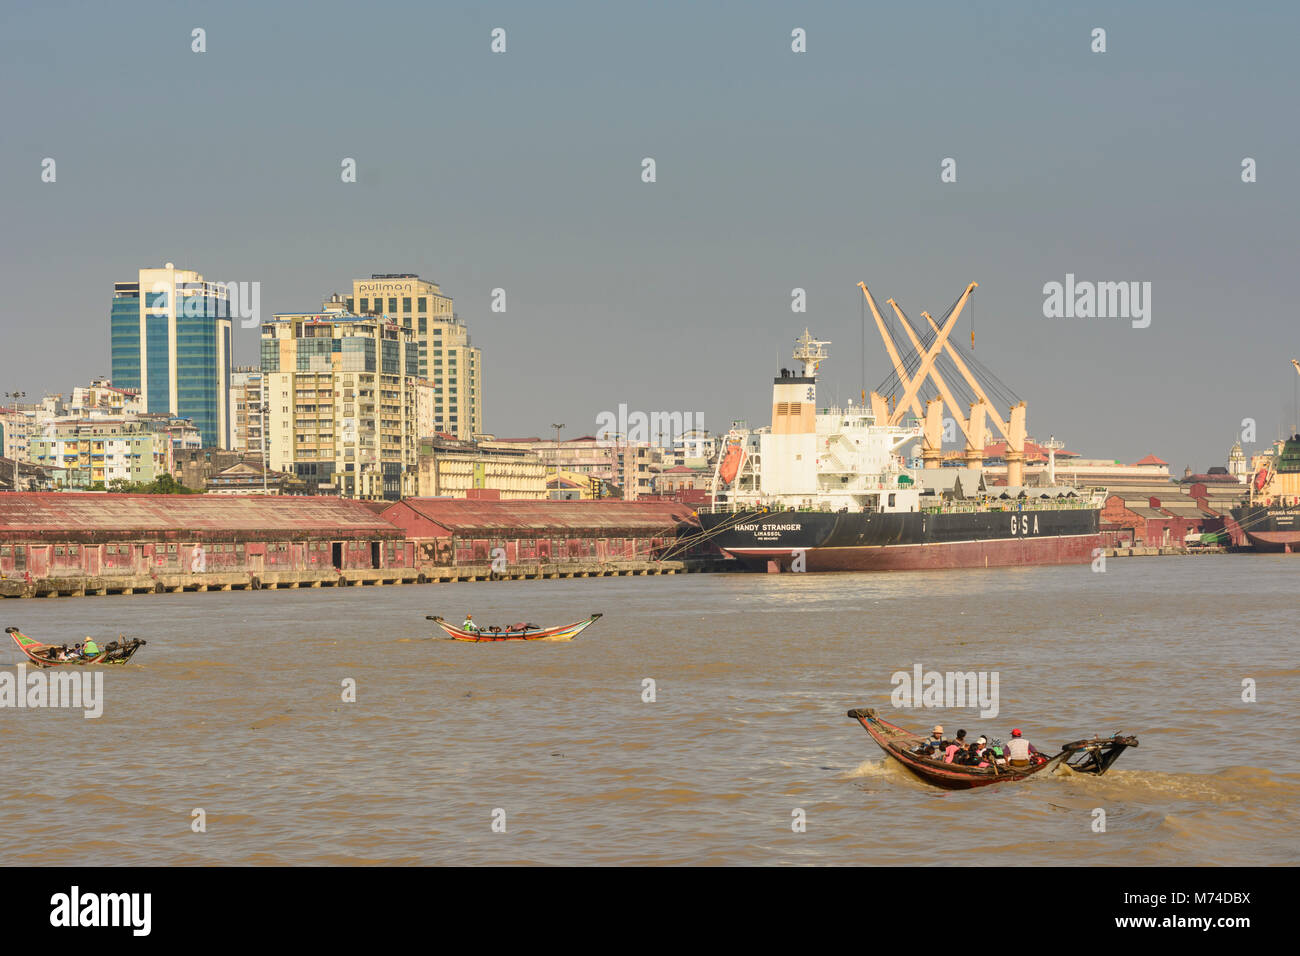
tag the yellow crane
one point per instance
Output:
(1013, 429)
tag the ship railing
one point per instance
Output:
(1015, 504)
(731, 508)
(997, 505)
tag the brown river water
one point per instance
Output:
(235, 706)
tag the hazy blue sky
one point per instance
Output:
(775, 170)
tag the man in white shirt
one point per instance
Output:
(1018, 750)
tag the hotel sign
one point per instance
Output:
(372, 287)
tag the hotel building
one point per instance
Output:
(445, 356)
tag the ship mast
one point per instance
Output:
(1052, 445)
(811, 352)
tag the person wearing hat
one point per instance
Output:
(469, 624)
(1018, 750)
(934, 744)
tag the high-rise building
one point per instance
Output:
(246, 410)
(342, 403)
(171, 342)
(446, 357)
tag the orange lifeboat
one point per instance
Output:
(731, 463)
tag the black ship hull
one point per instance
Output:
(842, 541)
(1270, 528)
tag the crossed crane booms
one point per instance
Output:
(972, 425)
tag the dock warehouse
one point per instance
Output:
(467, 531)
(60, 543)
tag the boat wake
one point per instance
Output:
(883, 771)
(1258, 785)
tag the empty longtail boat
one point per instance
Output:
(59, 655)
(515, 632)
(1082, 756)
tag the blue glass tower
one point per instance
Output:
(170, 336)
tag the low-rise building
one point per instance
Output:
(452, 468)
(24, 476)
(1165, 515)
(683, 478)
(98, 452)
(16, 427)
(251, 477)
(102, 399)
(629, 466)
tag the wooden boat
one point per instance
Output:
(516, 632)
(1082, 756)
(49, 655)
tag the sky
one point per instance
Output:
(774, 170)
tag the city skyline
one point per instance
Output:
(775, 171)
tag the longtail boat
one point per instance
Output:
(56, 655)
(515, 632)
(1082, 756)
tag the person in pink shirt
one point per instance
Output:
(953, 748)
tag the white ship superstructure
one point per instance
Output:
(828, 459)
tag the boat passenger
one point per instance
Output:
(935, 743)
(1019, 749)
(92, 649)
(469, 624)
(951, 750)
(967, 756)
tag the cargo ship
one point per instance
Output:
(1270, 519)
(830, 489)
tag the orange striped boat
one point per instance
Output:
(516, 632)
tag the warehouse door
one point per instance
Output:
(336, 554)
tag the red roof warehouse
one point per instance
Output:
(461, 530)
(179, 540)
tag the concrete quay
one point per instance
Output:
(173, 583)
